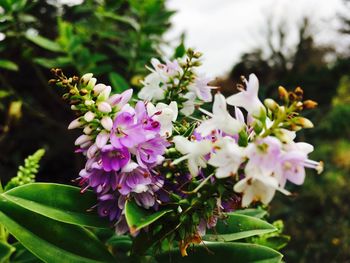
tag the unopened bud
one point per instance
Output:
(197, 54)
(107, 123)
(310, 104)
(104, 107)
(82, 139)
(271, 104)
(89, 116)
(86, 78)
(283, 93)
(89, 102)
(299, 92)
(83, 92)
(91, 83)
(303, 122)
(75, 124)
(99, 88)
(88, 130)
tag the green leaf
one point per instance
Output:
(119, 84)
(50, 240)
(274, 242)
(138, 217)
(4, 94)
(238, 226)
(123, 243)
(23, 255)
(7, 64)
(60, 202)
(5, 251)
(44, 43)
(223, 252)
(52, 63)
(255, 212)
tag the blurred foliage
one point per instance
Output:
(27, 172)
(112, 39)
(317, 217)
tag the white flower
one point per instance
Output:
(188, 105)
(261, 188)
(220, 119)
(194, 152)
(248, 99)
(227, 157)
(165, 115)
(201, 89)
(154, 88)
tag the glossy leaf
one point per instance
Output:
(44, 43)
(123, 243)
(7, 64)
(255, 212)
(238, 226)
(50, 240)
(223, 252)
(60, 202)
(5, 251)
(119, 84)
(23, 255)
(138, 217)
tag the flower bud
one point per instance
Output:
(299, 92)
(99, 88)
(283, 93)
(75, 124)
(89, 116)
(310, 104)
(104, 107)
(89, 102)
(86, 78)
(82, 139)
(303, 122)
(87, 130)
(104, 95)
(271, 104)
(107, 123)
(91, 84)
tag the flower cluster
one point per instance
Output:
(167, 151)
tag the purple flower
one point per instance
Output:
(110, 206)
(114, 158)
(125, 132)
(150, 153)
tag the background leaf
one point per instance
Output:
(44, 43)
(7, 64)
(60, 202)
(119, 84)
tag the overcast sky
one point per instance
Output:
(223, 29)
